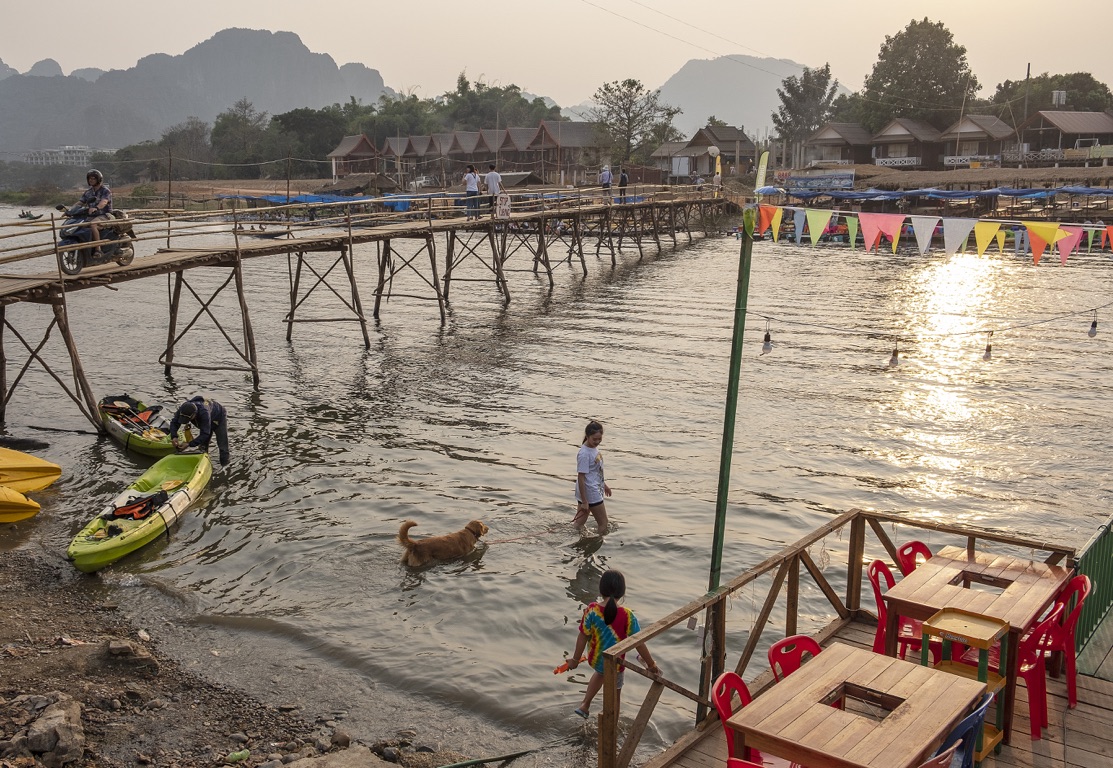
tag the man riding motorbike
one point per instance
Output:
(98, 200)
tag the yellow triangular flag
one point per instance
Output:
(1001, 240)
(983, 234)
(817, 223)
(776, 225)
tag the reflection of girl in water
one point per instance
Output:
(590, 486)
(603, 625)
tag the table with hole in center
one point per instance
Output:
(896, 713)
(1003, 587)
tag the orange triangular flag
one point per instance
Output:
(1106, 234)
(1038, 244)
(765, 217)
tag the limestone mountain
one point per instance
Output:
(45, 68)
(6, 71)
(273, 70)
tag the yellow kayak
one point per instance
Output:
(14, 506)
(23, 472)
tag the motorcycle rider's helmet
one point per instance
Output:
(95, 174)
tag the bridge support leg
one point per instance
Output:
(248, 332)
(172, 326)
(431, 246)
(449, 258)
(81, 384)
(384, 262)
(498, 256)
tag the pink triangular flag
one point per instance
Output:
(1070, 242)
(873, 224)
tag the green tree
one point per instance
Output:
(805, 103)
(239, 137)
(631, 118)
(189, 143)
(1084, 94)
(714, 122)
(921, 73)
(476, 106)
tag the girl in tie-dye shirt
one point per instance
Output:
(603, 625)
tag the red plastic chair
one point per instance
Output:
(787, 655)
(907, 554)
(942, 760)
(722, 692)
(1061, 636)
(1031, 667)
(909, 635)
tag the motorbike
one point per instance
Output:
(76, 232)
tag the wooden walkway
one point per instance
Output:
(1078, 738)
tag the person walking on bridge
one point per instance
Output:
(207, 416)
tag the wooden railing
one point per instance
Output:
(865, 536)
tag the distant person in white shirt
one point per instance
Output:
(494, 186)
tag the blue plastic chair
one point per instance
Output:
(968, 731)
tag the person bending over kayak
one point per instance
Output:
(207, 416)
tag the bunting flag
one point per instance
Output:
(924, 227)
(1090, 240)
(778, 214)
(852, 230)
(955, 234)
(817, 223)
(1001, 240)
(766, 212)
(1020, 240)
(875, 224)
(799, 216)
(1042, 234)
(984, 232)
(1106, 234)
(1068, 243)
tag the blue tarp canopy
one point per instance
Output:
(295, 199)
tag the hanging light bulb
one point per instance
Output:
(1093, 326)
(767, 345)
(894, 361)
(988, 347)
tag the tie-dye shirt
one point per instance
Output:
(600, 637)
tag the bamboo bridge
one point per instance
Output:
(543, 228)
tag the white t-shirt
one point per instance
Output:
(493, 182)
(471, 182)
(589, 462)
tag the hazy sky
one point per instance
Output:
(565, 49)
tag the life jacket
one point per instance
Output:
(138, 508)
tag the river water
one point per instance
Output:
(286, 579)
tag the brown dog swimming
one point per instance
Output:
(447, 547)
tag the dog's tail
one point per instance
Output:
(403, 534)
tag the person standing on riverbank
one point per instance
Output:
(591, 488)
(603, 625)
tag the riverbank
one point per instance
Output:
(80, 686)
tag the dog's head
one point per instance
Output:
(477, 528)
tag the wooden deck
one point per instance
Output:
(1078, 738)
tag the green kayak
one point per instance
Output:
(145, 510)
(142, 428)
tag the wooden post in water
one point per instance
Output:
(384, 259)
(84, 391)
(172, 328)
(295, 284)
(431, 246)
(3, 368)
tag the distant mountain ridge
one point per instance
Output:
(273, 70)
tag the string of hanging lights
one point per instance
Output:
(894, 359)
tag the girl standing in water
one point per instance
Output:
(590, 485)
(603, 625)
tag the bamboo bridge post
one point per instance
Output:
(430, 244)
(384, 259)
(248, 332)
(449, 259)
(578, 240)
(295, 283)
(172, 326)
(543, 253)
(80, 382)
(349, 265)
(497, 259)
(639, 228)
(672, 223)
(655, 219)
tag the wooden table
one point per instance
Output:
(913, 708)
(1008, 588)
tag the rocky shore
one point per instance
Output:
(80, 687)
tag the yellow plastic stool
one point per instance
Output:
(954, 625)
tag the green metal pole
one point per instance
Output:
(733, 378)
